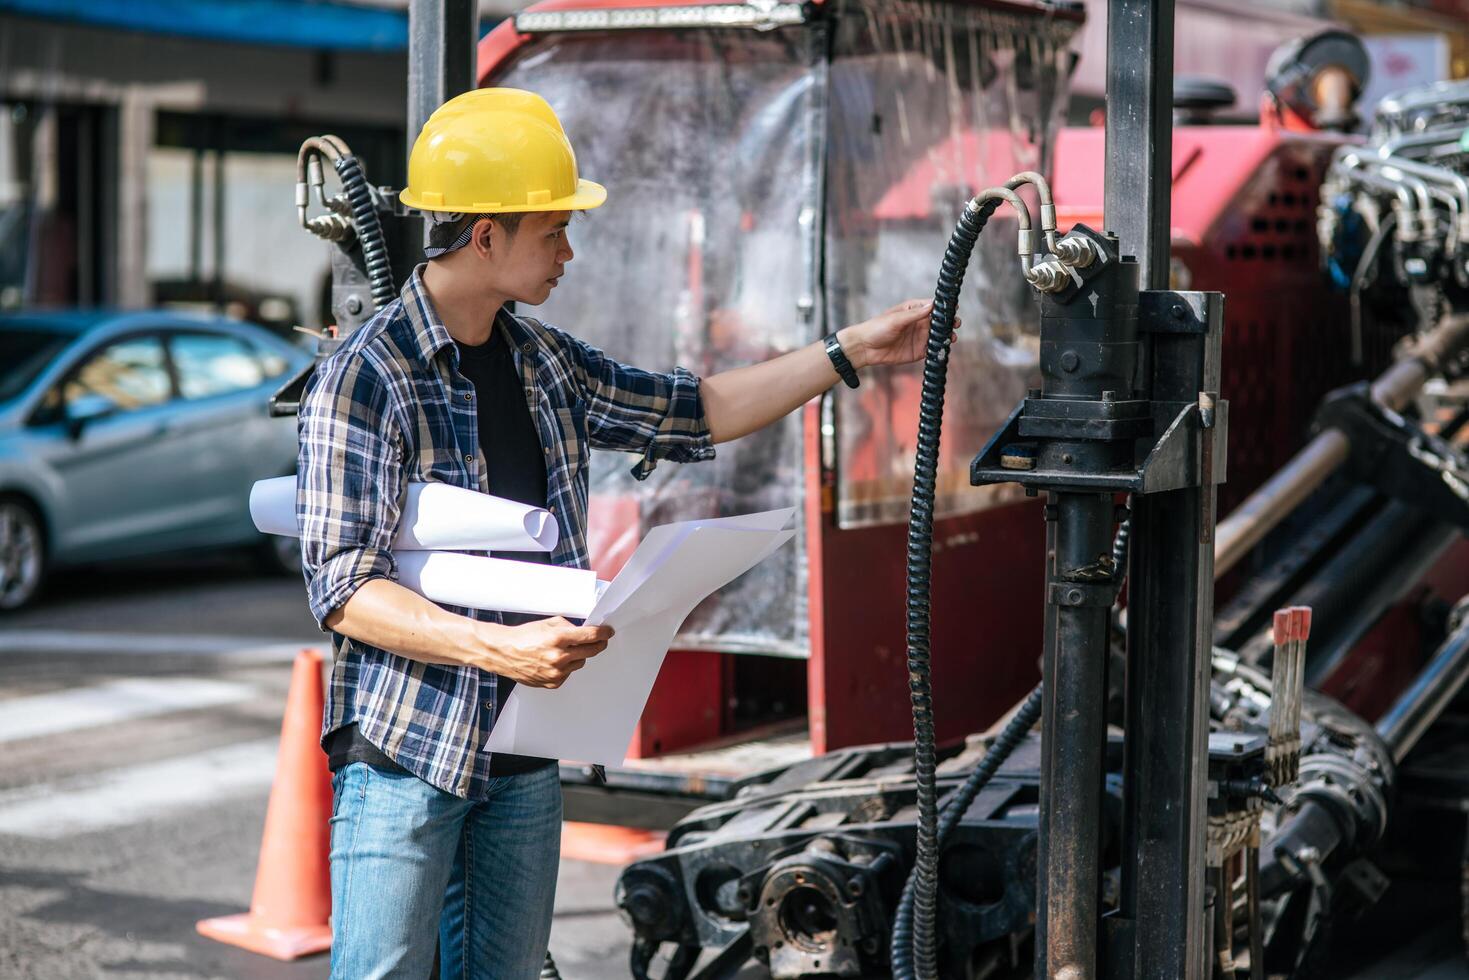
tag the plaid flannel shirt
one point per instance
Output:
(389, 408)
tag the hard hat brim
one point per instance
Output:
(588, 195)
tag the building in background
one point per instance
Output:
(148, 148)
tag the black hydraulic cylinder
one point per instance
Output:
(1074, 733)
(1420, 705)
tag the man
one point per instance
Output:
(431, 836)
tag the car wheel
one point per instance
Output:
(22, 554)
(280, 555)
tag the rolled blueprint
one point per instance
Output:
(436, 517)
(498, 583)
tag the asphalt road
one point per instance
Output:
(139, 711)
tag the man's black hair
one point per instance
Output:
(446, 234)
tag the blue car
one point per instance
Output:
(132, 434)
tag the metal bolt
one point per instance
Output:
(1066, 457)
(1074, 596)
(354, 305)
(1179, 311)
(1109, 396)
(1070, 361)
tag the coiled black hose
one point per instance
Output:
(369, 230)
(922, 890)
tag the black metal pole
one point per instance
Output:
(1140, 132)
(1170, 609)
(1171, 581)
(441, 61)
(441, 48)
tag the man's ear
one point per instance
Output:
(484, 235)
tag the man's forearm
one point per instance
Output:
(386, 615)
(740, 401)
(542, 653)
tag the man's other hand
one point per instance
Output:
(897, 336)
(544, 653)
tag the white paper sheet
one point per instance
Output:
(498, 583)
(591, 717)
(436, 517)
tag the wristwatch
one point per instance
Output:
(839, 360)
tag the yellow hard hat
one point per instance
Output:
(496, 150)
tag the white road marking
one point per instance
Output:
(121, 797)
(100, 642)
(112, 702)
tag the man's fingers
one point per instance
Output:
(911, 309)
(578, 635)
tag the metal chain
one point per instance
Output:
(1447, 467)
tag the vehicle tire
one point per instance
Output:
(279, 555)
(22, 553)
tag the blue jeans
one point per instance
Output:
(411, 864)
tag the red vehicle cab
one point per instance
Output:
(776, 171)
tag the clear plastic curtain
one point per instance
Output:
(930, 103)
(700, 258)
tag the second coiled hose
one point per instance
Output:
(369, 229)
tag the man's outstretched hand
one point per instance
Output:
(897, 336)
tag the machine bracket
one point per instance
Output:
(1391, 453)
(1168, 464)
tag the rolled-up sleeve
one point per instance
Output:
(660, 416)
(349, 482)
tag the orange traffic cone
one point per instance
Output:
(290, 910)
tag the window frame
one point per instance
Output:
(173, 333)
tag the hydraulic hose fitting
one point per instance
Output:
(316, 175)
(303, 198)
(1407, 226)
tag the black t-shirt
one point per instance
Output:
(517, 471)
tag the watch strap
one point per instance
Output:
(839, 360)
